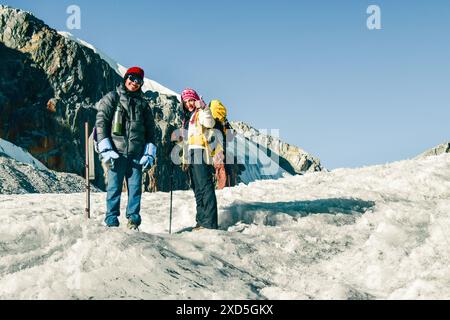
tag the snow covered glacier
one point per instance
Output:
(377, 232)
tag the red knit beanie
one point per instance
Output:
(136, 71)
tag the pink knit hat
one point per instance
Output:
(189, 94)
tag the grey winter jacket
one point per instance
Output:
(138, 122)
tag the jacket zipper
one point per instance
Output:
(128, 130)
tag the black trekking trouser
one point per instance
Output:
(204, 190)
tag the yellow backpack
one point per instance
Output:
(219, 113)
(218, 110)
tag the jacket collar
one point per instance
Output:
(125, 96)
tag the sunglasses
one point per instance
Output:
(135, 79)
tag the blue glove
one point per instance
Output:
(106, 150)
(148, 158)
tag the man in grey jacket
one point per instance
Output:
(125, 131)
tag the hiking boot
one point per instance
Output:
(132, 225)
(134, 221)
(112, 222)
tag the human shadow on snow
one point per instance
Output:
(269, 213)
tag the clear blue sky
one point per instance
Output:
(312, 69)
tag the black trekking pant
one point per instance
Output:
(202, 183)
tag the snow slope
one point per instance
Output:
(258, 165)
(19, 154)
(293, 159)
(148, 83)
(368, 233)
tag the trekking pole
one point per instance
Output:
(88, 187)
(171, 192)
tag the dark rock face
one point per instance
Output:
(44, 82)
(48, 88)
(24, 92)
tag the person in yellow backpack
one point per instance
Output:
(197, 121)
